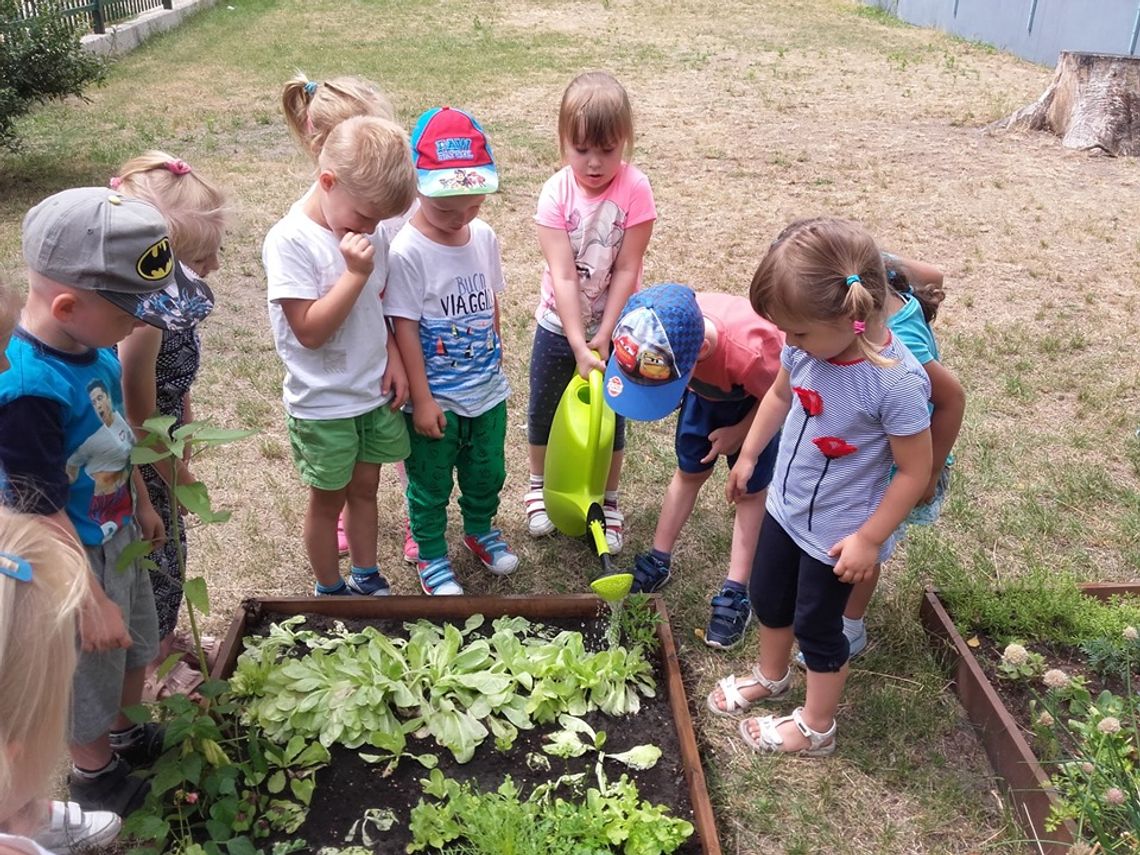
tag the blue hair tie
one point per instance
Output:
(851, 280)
(16, 566)
(311, 87)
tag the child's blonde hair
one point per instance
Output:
(194, 209)
(595, 111)
(372, 160)
(313, 109)
(37, 652)
(823, 270)
(10, 306)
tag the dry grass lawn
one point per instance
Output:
(749, 114)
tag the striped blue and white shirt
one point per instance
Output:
(835, 459)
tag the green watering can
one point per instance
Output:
(578, 456)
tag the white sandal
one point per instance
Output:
(537, 521)
(615, 528)
(819, 744)
(734, 702)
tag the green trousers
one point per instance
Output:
(472, 449)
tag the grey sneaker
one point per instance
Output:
(115, 790)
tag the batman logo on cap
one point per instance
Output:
(156, 262)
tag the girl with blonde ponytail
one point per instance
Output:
(852, 404)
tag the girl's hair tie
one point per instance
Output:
(15, 566)
(851, 280)
(115, 182)
(859, 326)
(178, 167)
(311, 88)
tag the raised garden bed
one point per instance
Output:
(348, 785)
(1027, 784)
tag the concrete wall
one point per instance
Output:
(128, 35)
(1037, 30)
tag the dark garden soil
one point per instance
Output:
(348, 786)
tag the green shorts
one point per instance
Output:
(327, 451)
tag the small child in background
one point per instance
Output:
(159, 367)
(326, 262)
(445, 273)
(595, 217)
(99, 266)
(312, 109)
(912, 304)
(737, 360)
(853, 405)
(43, 583)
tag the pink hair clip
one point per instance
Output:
(115, 182)
(859, 326)
(178, 167)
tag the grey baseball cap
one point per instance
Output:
(93, 239)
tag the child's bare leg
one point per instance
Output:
(680, 499)
(360, 515)
(861, 595)
(745, 534)
(775, 656)
(615, 471)
(92, 756)
(320, 534)
(133, 679)
(824, 690)
(536, 455)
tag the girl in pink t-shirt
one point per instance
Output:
(595, 217)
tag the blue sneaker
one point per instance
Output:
(731, 614)
(437, 578)
(340, 590)
(368, 585)
(650, 574)
(492, 551)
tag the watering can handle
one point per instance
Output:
(597, 402)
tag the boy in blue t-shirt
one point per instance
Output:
(444, 275)
(99, 265)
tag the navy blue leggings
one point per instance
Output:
(552, 364)
(790, 588)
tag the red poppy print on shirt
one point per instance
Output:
(832, 448)
(812, 403)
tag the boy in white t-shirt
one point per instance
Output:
(326, 262)
(444, 275)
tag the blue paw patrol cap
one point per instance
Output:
(654, 351)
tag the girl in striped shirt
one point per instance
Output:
(852, 404)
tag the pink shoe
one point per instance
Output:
(341, 537)
(411, 549)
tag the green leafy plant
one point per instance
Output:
(1093, 746)
(606, 819)
(41, 59)
(1018, 663)
(1042, 605)
(637, 622)
(364, 689)
(219, 786)
(577, 738)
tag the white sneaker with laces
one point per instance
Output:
(71, 829)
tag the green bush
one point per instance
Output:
(40, 59)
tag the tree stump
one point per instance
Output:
(1092, 103)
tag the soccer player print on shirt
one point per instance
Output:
(105, 458)
(595, 241)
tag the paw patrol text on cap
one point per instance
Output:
(452, 155)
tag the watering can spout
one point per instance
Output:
(610, 583)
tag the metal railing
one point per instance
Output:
(97, 14)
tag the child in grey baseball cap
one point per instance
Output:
(99, 265)
(92, 239)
